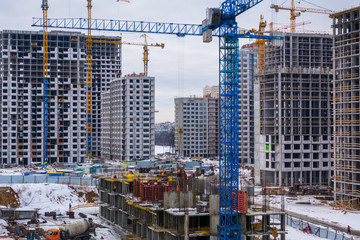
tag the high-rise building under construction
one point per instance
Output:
(346, 106)
(21, 101)
(247, 65)
(128, 119)
(293, 112)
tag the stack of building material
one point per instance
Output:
(154, 191)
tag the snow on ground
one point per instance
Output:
(294, 234)
(56, 197)
(319, 210)
(50, 197)
(161, 149)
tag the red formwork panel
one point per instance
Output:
(242, 199)
(154, 191)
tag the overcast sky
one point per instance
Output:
(185, 65)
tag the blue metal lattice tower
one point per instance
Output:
(228, 227)
(45, 8)
(227, 31)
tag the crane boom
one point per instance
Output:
(145, 45)
(233, 8)
(295, 12)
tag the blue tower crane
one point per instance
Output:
(45, 8)
(219, 23)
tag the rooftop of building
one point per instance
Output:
(337, 14)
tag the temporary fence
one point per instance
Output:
(13, 179)
(313, 229)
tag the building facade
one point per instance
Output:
(211, 91)
(346, 106)
(128, 119)
(293, 112)
(21, 101)
(196, 127)
(247, 65)
(106, 66)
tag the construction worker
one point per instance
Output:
(162, 174)
(179, 172)
(114, 189)
(348, 230)
(114, 176)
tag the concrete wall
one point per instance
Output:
(179, 200)
(214, 213)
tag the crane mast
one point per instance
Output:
(45, 8)
(89, 79)
(89, 83)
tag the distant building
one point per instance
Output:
(247, 65)
(21, 91)
(164, 127)
(293, 112)
(211, 91)
(346, 104)
(164, 134)
(128, 119)
(196, 127)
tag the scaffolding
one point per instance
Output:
(346, 108)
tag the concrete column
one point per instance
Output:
(282, 227)
(186, 227)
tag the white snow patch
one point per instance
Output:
(294, 234)
(50, 197)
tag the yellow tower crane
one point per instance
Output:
(89, 80)
(296, 12)
(146, 46)
(261, 45)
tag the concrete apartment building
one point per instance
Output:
(293, 112)
(198, 120)
(346, 106)
(247, 65)
(211, 91)
(128, 119)
(21, 100)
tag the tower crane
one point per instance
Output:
(296, 12)
(220, 22)
(45, 8)
(260, 42)
(285, 26)
(145, 45)
(89, 80)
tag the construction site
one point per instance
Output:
(154, 203)
(270, 153)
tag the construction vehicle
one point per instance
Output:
(79, 230)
